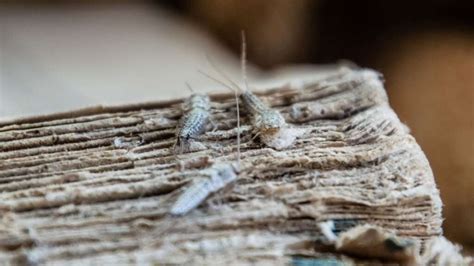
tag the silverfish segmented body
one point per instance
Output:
(268, 123)
(196, 117)
(264, 119)
(219, 176)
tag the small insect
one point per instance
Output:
(195, 119)
(220, 175)
(268, 123)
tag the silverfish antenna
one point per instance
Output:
(243, 60)
(238, 128)
(189, 87)
(222, 73)
(243, 63)
(216, 80)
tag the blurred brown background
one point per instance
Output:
(55, 55)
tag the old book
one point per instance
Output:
(96, 185)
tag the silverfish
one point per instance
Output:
(196, 116)
(268, 123)
(220, 175)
